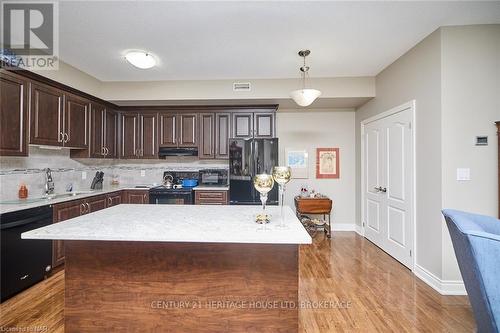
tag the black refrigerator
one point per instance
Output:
(247, 158)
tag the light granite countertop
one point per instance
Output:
(15, 205)
(178, 223)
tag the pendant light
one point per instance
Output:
(304, 96)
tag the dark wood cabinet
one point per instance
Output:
(179, 130)
(110, 134)
(13, 114)
(46, 116)
(136, 197)
(114, 198)
(64, 211)
(206, 148)
(76, 115)
(214, 129)
(97, 113)
(139, 135)
(95, 203)
(255, 124)
(168, 135)
(222, 135)
(188, 129)
(203, 197)
(129, 136)
(148, 135)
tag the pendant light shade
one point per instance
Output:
(305, 97)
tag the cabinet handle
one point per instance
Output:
(144, 198)
(88, 207)
(102, 151)
(60, 137)
(107, 150)
(82, 208)
(110, 202)
(66, 137)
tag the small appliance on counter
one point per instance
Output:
(213, 177)
(177, 188)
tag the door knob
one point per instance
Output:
(383, 189)
(378, 189)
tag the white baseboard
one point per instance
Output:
(444, 287)
(359, 230)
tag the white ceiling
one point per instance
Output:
(248, 40)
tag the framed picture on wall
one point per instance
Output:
(297, 160)
(327, 163)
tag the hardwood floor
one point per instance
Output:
(365, 290)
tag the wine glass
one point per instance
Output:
(263, 183)
(282, 175)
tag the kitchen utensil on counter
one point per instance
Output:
(97, 181)
(189, 182)
(23, 192)
(168, 181)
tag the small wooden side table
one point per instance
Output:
(315, 206)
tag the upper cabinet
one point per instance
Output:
(58, 119)
(103, 131)
(178, 129)
(139, 135)
(254, 124)
(76, 115)
(46, 115)
(110, 134)
(13, 114)
(215, 129)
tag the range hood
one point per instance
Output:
(166, 151)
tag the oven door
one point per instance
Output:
(171, 198)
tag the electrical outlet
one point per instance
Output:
(143, 173)
(84, 174)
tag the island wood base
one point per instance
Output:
(175, 287)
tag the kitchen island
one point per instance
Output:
(168, 268)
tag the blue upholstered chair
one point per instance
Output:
(476, 240)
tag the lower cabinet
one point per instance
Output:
(136, 197)
(68, 210)
(210, 198)
(114, 198)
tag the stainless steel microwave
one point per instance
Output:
(213, 177)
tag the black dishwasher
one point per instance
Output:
(24, 262)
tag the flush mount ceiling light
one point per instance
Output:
(140, 59)
(304, 96)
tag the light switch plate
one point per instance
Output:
(84, 174)
(463, 174)
(143, 173)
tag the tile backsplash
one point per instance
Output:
(30, 171)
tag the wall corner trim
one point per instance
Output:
(444, 287)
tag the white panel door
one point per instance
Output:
(388, 172)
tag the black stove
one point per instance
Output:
(175, 195)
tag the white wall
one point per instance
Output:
(315, 129)
(416, 76)
(470, 105)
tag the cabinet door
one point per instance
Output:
(76, 113)
(13, 115)
(148, 130)
(210, 198)
(207, 127)
(137, 197)
(111, 134)
(242, 125)
(46, 117)
(222, 134)
(264, 125)
(168, 131)
(129, 141)
(188, 129)
(62, 212)
(96, 203)
(97, 113)
(114, 199)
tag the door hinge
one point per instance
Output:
(410, 253)
(409, 125)
(363, 223)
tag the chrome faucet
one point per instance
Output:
(49, 183)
